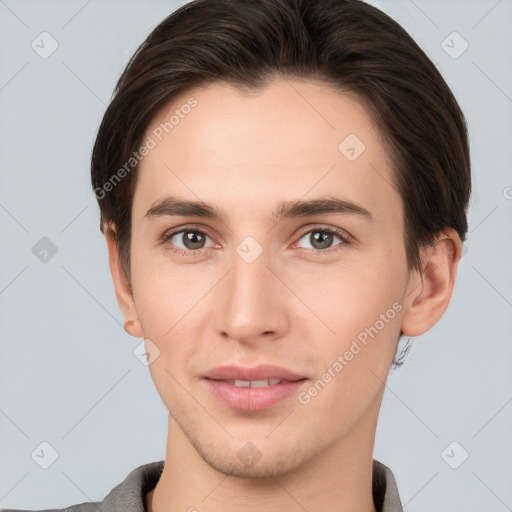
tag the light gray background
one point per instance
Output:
(68, 375)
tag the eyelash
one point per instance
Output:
(342, 235)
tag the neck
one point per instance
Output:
(337, 479)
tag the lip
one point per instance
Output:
(260, 372)
(248, 398)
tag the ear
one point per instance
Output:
(429, 291)
(122, 286)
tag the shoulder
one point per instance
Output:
(82, 507)
(385, 489)
(127, 495)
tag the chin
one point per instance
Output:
(249, 462)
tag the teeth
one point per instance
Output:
(254, 383)
(242, 383)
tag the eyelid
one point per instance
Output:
(187, 227)
(168, 234)
(325, 227)
(345, 237)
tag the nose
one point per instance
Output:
(251, 302)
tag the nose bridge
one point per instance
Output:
(250, 303)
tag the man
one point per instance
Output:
(283, 188)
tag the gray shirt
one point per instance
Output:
(130, 494)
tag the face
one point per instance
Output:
(295, 272)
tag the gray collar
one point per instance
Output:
(130, 494)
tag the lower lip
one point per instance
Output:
(253, 399)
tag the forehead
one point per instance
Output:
(290, 139)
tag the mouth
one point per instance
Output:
(264, 383)
(252, 389)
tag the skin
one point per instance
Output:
(290, 307)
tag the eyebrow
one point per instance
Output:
(173, 206)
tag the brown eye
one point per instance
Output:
(193, 239)
(323, 239)
(187, 241)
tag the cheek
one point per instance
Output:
(166, 305)
(360, 305)
(353, 363)
(164, 293)
(365, 333)
(350, 296)
(171, 304)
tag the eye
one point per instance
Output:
(186, 241)
(321, 239)
(191, 241)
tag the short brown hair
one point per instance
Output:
(346, 44)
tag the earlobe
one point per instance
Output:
(134, 328)
(429, 291)
(122, 287)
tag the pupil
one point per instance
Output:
(324, 239)
(193, 240)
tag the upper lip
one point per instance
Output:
(260, 372)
